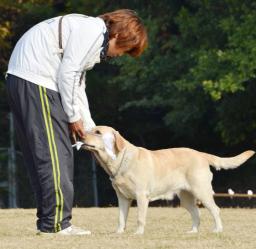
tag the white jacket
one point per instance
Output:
(36, 58)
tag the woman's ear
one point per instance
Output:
(119, 141)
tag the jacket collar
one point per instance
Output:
(105, 44)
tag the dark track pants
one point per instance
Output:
(42, 130)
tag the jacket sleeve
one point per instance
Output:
(80, 46)
(88, 122)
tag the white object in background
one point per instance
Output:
(249, 192)
(78, 145)
(230, 191)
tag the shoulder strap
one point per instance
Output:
(60, 37)
(61, 47)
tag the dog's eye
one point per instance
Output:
(98, 132)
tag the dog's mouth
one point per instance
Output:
(88, 146)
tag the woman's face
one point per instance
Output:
(113, 49)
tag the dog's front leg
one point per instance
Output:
(124, 205)
(142, 203)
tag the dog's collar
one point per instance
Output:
(125, 159)
(110, 162)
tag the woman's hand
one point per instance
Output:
(76, 130)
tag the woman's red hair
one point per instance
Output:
(129, 30)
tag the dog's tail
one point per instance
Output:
(228, 162)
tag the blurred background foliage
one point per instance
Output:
(194, 86)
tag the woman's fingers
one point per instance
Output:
(73, 138)
(77, 130)
(81, 133)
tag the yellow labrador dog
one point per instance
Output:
(145, 175)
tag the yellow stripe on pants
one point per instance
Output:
(54, 158)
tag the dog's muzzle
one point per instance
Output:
(79, 144)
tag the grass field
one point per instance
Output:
(166, 228)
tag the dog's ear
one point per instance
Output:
(119, 141)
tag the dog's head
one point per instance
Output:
(105, 141)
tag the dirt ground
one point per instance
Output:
(166, 228)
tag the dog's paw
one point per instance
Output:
(193, 230)
(139, 231)
(120, 230)
(218, 230)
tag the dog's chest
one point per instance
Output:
(125, 186)
(168, 195)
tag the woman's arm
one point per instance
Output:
(79, 48)
(85, 113)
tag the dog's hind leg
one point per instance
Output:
(124, 205)
(142, 203)
(209, 203)
(204, 194)
(188, 201)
